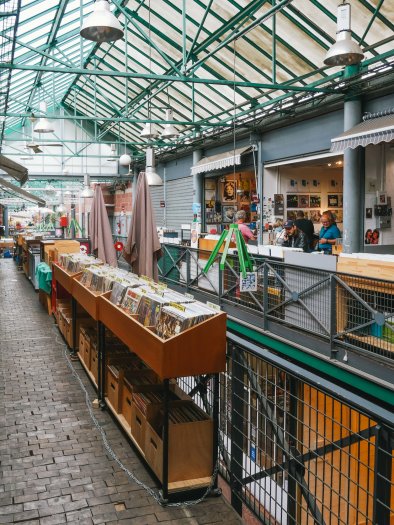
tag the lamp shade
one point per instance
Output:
(125, 160)
(150, 172)
(101, 25)
(149, 131)
(345, 52)
(87, 192)
(43, 125)
(169, 131)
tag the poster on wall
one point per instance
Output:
(333, 201)
(368, 213)
(229, 191)
(228, 213)
(315, 216)
(291, 201)
(303, 201)
(372, 236)
(315, 201)
(279, 205)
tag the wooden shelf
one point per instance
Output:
(65, 279)
(199, 350)
(85, 297)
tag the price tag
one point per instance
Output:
(214, 306)
(189, 296)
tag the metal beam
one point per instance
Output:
(152, 76)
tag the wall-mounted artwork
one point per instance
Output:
(315, 216)
(228, 213)
(333, 201)
(229, 191)
(292, 201)
(303, 201)
(315, 201)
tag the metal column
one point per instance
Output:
(198, 184)
(101, 364)
(5, 221)
(73, 221)
(352, 227)
(237, 424)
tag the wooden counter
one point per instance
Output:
(65, 279)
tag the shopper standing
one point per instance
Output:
(305, 225)
(246, 232)
(329, 232)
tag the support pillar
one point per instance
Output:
(5, 220)
(73, 221)
(260, 189)
(352, 180)
(198, 185)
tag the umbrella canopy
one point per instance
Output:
(143, 246)
(100, 230)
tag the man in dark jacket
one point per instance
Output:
(295, 238)
(306, 225)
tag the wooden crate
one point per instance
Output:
(65, 279)
(190, 448)
(113, 385)
(126, 400)
(45, 300)
(199, 350)
(94, 362)
(65, 246)
(85, 297)
(208, 245)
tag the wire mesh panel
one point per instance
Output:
(365, 314)
(299, 454)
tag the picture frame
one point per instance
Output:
(291, 200)
(228, 213)
(315, 216)
(210, 184)
(382, 198)
(368, 213)
(315, 201)
(332, 200)
(229, 191)
(303, 201)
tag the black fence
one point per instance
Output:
(344, 311)
(294, 452)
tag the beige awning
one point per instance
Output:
(220, 161)
(15, 170)
(370, 131)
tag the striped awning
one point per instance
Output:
(220, 161)
(370, 131)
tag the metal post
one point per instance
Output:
(215, 417)
(74, 326)
(188, 269)
(260, 189)
(333, 315)
(293, 490)
(265, 296)
(237, 435)
(5, 221)
(101, 364)
(165, 439)
(198, 185)
(352, 228)
(72, 221)
(382, 476)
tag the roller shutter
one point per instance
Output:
(157, 194)
(179, 200)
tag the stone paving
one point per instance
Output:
(53, 465)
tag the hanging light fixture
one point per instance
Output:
(102, 25)
(49, 189)
(87, 191)
(150, 131)
(152, 177)
(169, 131)
(113, 157)
(43, 125)
(345, 51)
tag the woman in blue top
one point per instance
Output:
(328, 233)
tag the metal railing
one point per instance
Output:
(344, 311)
(293, 451)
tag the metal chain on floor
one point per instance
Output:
(154, 493)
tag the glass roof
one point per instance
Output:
(206, 59)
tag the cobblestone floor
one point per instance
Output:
(53, 466)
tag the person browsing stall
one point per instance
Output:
(306, 225)
(294, 237)
(246, 232)
(329, 232)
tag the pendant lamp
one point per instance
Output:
(43, 125)
(102, 25)
(125, 159)
(345, 51)
(150, 172)
(149, 131)
(87, 191)
(169, 131)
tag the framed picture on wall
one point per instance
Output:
(303, 201)
(210, 184)
(332, 200)
(229, 191)
(315, 216)
(315, 201)
(228, 213)
(291, 201)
